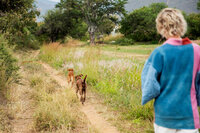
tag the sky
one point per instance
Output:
(55, 0)
(44, 6)
(188, 6)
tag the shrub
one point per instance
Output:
(115, 37)
(118, 40)
(193, 21)
(8, 65)
(27, 39)
(124, 41)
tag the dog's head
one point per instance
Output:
(70, 70)
(78, 76)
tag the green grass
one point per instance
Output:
(135, 49)
(117, 80)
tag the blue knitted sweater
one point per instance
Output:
(171, 76)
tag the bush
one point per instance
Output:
(123, 41)
(8, 65)
(118, 40)
(193, 21)
(27, 39)
(140, 25)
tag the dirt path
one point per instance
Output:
(88, 109)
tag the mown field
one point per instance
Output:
(114, 74)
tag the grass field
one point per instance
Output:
(113, 73)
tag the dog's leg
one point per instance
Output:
(84, 95)
(82, 100)
(77, 92)
(73, 80)
(68, 79)
(81, 94)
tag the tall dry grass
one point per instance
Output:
(69, 41)
(56, 108)
(8, 75)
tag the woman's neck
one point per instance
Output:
(176, 37)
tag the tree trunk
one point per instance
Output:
(92, 30)
(52, 38)
(92, 38)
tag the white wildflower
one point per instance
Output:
(79, 54)
(68, 65)
(117, 64)
(80, 65)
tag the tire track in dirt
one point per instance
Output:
(88, 109)
(23, 121)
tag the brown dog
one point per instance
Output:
(70, 76)
(78, 79)
(81, 87)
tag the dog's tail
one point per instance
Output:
(85, 78)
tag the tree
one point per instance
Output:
(15, 5)
(140, 24)
(59, 23)
(17, 18)
(107, 26)
(198, 5)
(21, 12)
(94, 12)
(53, 25)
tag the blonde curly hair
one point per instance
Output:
(170, 22)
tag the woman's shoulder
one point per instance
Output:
(196, 49)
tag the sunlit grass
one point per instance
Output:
(135, 49)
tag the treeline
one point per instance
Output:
(82, 20)
(90, 21)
